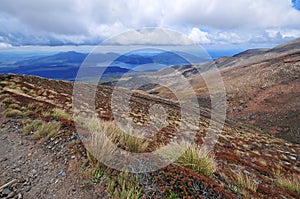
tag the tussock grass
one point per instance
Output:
(290, 183)
(124, 186)
(46, 130)
(4, 95)
(30, 126)
(244, 181)
(58, 113)
(14, 106)
(101, 130)
(13, 113)
(199, 160)
(6, 101)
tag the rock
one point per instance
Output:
(33, 171)
(4, 159)
(73, 188)
(62, 173)
(5, 192)
(19, 196)
(17, 170)
(11, 194)
(28, 189)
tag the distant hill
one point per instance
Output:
(65, 65)
(262, 87)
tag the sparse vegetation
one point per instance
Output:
(290, 183)
(97, 176)
(172, 195)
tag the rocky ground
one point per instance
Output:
(32, 170)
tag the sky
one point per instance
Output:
(211, 23)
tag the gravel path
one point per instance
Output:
(31, 171)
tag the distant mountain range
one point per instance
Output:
(65, 65)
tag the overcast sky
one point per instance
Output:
(207, 22)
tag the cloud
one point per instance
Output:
(235, 13)
(199, 36)
(5, 45)
(56, 22)
(150, 36)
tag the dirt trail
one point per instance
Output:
(36, 172)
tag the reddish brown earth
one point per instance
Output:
(259, 156)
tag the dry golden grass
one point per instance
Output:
(191, 156)
(108, 131)
(199, 159)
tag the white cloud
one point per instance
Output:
(5, 45)
(150, 36)
(199, 36)
(90, 21)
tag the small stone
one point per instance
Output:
(4, 159)
(27, 189)
(20, 196)
(73, 156)
(73, 188)
(11, 194)
(33, 171)
(5, 192)
(62, 173)
(17, 170)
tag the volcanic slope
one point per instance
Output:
(262, 88)
(248, 163)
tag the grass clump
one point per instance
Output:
(46, 130)
(244, 181)
(290, 183)
(30, 126)
(101, 130)
(199, 160)
(14, 106)
(58, 113)
(13, 113)
(124, 186)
